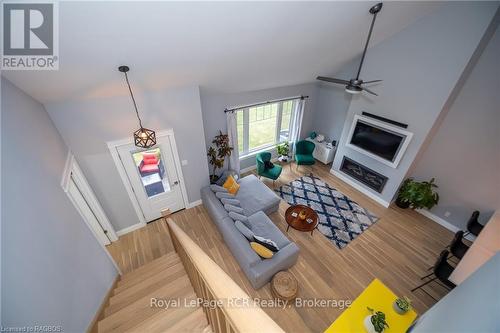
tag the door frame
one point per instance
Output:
(72, 174)
(113, 148)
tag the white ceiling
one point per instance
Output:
(221, 46)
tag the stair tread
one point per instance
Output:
(163, 260)
(162, 321)
(140, 309)
(144, 288)
(129, 282)
(194, 322)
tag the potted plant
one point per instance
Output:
(375, 323)
(402, 305)
(217, 154)
(283, 151)
(417, 195)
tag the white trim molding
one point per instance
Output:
(130, 229)
(194, 204)
(360, 188)
(443, 222)
(406, 135)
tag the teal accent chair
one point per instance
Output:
(272, 173)
(303, 153)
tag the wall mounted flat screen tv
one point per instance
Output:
(377, 139)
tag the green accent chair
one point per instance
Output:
(272, 173)
(303, 153)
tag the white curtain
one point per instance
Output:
(296, 124)
(232, 132)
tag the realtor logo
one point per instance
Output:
(30, 36)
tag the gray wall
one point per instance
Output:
(420, 67)
(332, 104)
(471, 307)
(213, 105)
(464, 154)
(88, 123)
(54, 272)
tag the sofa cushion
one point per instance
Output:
(268, 243)
(261, 250)
(255, 196)
(244, 230)
(234, 202)
(264, 227)
(222, 195)
(231, 185)
(224, 175)
(217, 188)
(240, 217)
(235, 209)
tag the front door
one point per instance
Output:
(153, 177)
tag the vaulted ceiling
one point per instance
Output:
(221, 46)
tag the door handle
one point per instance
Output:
(176, 182)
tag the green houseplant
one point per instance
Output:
(417, 195)
(402, 305)
(283, 151)
(375, 322)
(217, 154)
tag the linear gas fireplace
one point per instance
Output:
(367, 176)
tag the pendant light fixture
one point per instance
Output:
(143, 137)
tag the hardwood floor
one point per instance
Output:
(398, 250)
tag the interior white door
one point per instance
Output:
(153, 176)
(87, 213)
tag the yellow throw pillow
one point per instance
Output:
(261, 250)
(231, 185)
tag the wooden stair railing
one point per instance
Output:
(213, 285)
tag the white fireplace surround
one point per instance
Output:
(386, 127)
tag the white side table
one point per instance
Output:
(322, 152)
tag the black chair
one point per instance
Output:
(473, 225)
(457, 247)
(441, 271)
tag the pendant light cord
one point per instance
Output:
(133, 100)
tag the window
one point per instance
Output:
(264, 126)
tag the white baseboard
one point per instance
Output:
(443, 222)
(360, 188)
(130, 229)
(194, 204)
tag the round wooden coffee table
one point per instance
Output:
(302, 218)
(284, 286)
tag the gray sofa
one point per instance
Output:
(257, 200)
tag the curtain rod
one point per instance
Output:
(264, 103)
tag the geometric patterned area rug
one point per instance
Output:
(340, 219)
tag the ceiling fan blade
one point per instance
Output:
(373, 81)
(369, 91)
(329, 79)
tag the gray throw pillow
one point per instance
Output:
(222, 195)
(234, 202)
(244, 230)
(231, 208)
(217, 188)
(271, 245)
(240, 217)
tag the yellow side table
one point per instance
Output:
(380, 298)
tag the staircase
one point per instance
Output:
(129, 308)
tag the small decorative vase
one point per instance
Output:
(398, 310)
(302, 215)
(368, 324)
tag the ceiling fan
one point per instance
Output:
(355, 86)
